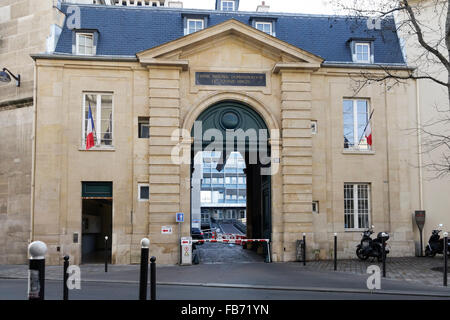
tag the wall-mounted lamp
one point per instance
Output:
(5, 76)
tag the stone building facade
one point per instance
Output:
(26, 27)
(156, 77)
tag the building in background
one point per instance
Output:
(223, 192)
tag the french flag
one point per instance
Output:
(368, 134)
(90, 130)
(368, 131)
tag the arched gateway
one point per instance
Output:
(226, 132)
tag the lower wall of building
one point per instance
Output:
(15, 183)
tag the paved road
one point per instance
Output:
(15, 289)
(229, 228)
(213, 253)
(219, 279)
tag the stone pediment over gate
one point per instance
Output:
(176, 53)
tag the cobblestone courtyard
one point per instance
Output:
(414, 269)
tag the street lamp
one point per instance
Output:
(5, 76)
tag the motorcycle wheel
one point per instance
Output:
(360, 255)
(429, 253)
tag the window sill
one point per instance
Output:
(355, 230)
(359, 152)
(102, 149)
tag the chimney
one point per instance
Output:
(262, 7)
(175, 4)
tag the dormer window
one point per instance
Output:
(362, 51)
(194, 25)
(85, 44)
(265, 24)
(227, 5)
(264, 27)
(194, 22)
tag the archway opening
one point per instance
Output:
(230, 184)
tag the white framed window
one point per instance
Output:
(227, 5)
(143, 192)
(356, 122)
(85, 44)
(362, 52)
(264, 27)
(315, 206)
(101, 105)
(357, 205)
(194, 25)
(313, 127)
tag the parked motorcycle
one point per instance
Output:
(436, 244)
(372, 247)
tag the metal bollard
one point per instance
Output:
(445, 257)
(152, 278)
(383, 253)
(106, 253)
(66, 277)
(335, 251)
(304, 249)
(143, 279)
(36, 273)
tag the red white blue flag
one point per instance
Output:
(90, 130)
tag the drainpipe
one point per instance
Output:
(387, 154)
(419, 144)
(33, 154)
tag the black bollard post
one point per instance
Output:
(383, 253)
(106, 253)
(65, 277)
(445, 258)
(143, 279)
(335, 251)
(36, 278)
(152, 278)
(304, 249)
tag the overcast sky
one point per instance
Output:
(301, 6)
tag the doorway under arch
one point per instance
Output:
(230, 172)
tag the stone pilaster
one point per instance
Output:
(297, 158)
(164, 173)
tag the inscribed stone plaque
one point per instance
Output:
(230, 79)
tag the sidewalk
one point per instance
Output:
(411, 276)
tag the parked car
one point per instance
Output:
(197, 234)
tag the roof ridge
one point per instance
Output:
(195, 10)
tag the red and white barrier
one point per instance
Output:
(232, 241)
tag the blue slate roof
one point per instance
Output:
(124, 31)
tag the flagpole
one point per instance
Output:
(364, 131)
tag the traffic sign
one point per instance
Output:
(180, 217)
